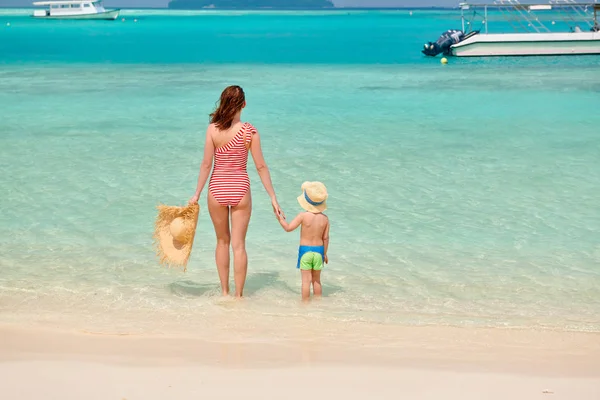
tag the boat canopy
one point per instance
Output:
(530, 7)
(524, 18)
(51, 3)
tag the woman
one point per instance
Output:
(228, 141)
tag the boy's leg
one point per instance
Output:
(306, 281)
(306, 266)
(316, 282)
(316, 274)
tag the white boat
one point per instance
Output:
(73, 9)
(567, 28)
(528, 44)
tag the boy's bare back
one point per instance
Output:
(313, 230)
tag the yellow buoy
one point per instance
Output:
(444, 60)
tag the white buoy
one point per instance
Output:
(410, 13)
(553, 22)
(123, 19)
(135, 20)
(444, 60)
(8, 24)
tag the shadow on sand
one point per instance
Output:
(263, 280)
(191, 288)
(254, 284)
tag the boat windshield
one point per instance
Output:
(57, 6)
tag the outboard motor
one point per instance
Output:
(442, 45)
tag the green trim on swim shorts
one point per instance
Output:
(311, 261)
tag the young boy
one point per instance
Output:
(314, 236)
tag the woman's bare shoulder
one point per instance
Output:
(211, 131)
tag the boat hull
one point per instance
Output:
(106, 15)
(528, 44)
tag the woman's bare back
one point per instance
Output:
(220, 138)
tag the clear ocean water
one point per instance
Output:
(462, 195)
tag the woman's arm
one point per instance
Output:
(263, 172)
(292, 225)
(205, 166)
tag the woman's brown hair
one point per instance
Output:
(232, 100)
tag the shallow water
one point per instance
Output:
(460, 195)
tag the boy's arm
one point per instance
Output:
(292, 225)
(326, 240)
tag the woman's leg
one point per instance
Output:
(220, 219)
(240, 218)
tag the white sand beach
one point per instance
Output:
(424, 363)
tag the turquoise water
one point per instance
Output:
(460, 195)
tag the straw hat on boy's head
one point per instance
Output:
(314, 197)
(174, 232)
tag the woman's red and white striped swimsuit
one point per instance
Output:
(229, 182)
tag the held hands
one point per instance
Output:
(277, 210)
